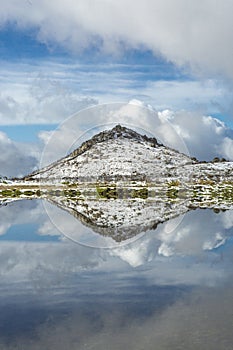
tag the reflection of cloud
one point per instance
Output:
(200, 230)
(227, 219)
(206, 320)
(161, 253)
(196, 232)
(64, 273)
(45, 258)
(200, 320)
(139, 253)
(51, 264)
(20, 212)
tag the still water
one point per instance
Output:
(169, 287)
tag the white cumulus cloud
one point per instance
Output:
(38, 98)
(16, 159)
(192, 133)
(198, 34)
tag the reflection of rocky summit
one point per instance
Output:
(122, 213)
(122, 154)
(121, 219)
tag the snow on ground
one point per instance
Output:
(122, 218)
(116, 158)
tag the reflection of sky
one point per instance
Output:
(20, 221)
(197, 241)
(59, 290)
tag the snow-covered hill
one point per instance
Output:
(122, 154)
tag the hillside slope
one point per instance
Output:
(122, 154)
(118, 154)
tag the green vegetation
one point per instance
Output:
(65, 183)
(11, 193)
(172, 193)
(107, 192)
(29, 193)
(206, 182)
(140, 193)
(72, 193)
(174, 183)
(203, 192)
(218, 160)
(38, 193)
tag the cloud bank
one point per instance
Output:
(39, 98)
(198, 135)
(199, 35)
(16, 158)
(56, 90)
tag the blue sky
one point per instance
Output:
(58, 58)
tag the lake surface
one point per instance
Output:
(170, 287)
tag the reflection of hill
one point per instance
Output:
(121, 219)
(122, 213)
